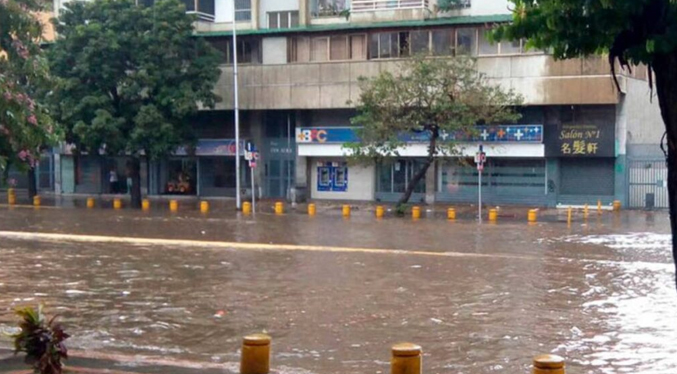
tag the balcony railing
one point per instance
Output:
(202, 16)
(372, 5)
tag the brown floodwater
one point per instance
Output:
(477, 298)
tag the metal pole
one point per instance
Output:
(238, 198)
(289, 186)
(253, 191)
(480, 196)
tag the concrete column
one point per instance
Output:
(256, 9)
(304, 12)
(431, 183)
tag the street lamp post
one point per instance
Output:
(238, 198)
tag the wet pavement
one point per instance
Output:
(336, 293)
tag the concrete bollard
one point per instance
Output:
(11, 196)
(548, 364)
(617, 205)
(586, 211)
(173, 206)
(117, 204)
(406, 359)
(247, 208)
(255, 354)
(279, 208)
(90, 202)
(493, 215)
(312, 209)
(533, 215)
(451, 214)
(204, 206)
(380, 211)
(416, 212)
(599, 206)
(346, 211)
(37, 200)
(569, 216)
(145, 204)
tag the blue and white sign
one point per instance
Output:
(484, 134)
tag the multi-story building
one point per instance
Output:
(300, 61)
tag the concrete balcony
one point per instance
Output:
(539, 78)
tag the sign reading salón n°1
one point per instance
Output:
(581, 140)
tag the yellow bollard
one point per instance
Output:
(548, 364)
(569, 216)
(493, 215)
(312, 209)
(346, 211)
(255, 354)
(145, 204)
(90, 202)
(11, 196)
(533, 215)
(585, 211)
(406, 359)
(599, 206)
(279, 207)
(246, 208)
(117, 204)
(37, 200)
(416, 212)
(204, 206)
(617, 205)
(173, 205)
(380, 211)
(451, 214)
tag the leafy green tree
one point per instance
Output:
(25, 125)
(435, 98)
(630, 32)
(130, 76)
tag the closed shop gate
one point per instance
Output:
(647, 184)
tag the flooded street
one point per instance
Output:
(335, 294)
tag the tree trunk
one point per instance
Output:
(432, 151)
(135, 190)
(665, 67)
(32, 184)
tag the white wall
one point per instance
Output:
(223, 10)
(482, 8)
(274, 50)
(361, 182)
(275, 6)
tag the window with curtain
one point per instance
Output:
(283, 20)
(443, 42)
(466, 41)
(339, 48)
(358, 47)
(299, 49)
(419, 42)
(319, 49)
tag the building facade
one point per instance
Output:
(579, 140)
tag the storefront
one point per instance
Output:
(210, 172)
(586, 158)
(516, 171)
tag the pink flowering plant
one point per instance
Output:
(25, 125)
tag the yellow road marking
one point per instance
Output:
(240, 246)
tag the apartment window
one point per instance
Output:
(319, 49)
(466, 41)
(243, 10)
(358, 47)
(419, 42)
(326, 48)
(511, 47)
(190, 5)
(443, 42)
(299, 49)
(389, 45)
(487, 47)
(283, 20)
(248, 50)
(339, 48)
(328, 8)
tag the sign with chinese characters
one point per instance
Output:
(484, 134)
(581, 140)
(213, 147)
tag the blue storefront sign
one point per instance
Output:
(484, 134)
